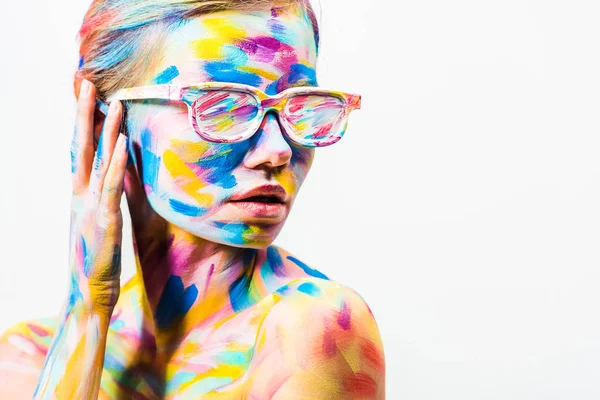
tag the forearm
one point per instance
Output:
(74, 363)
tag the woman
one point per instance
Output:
(222, 120)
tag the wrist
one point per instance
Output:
(94, 299)
(102, 300)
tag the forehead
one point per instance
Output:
(272, 49)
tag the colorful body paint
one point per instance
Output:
(188, 180)
(255, 341)
(215, 311)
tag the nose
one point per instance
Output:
(270, 149)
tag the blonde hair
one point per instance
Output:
(117, 37)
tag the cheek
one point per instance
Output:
(203, 163)
(176, 160)
(302, 159)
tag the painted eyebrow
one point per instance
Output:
(304, 84)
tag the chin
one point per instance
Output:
(225, 225)
(241, 234)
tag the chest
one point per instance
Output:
(207, 362)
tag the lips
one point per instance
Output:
(263, 202)
(262, 194)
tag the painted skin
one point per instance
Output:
(214, 311)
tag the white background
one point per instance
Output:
(463, 203)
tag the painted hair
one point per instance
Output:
(117, 37)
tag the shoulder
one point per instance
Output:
(306, 291)
(319, 338)
(29, 337)
(338, 309)
(23, 349)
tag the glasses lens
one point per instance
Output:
(225, 115)
(317, 120)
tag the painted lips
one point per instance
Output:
(261, 209)
(267, 201)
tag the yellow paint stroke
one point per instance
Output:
(262, 341)
(208, 49)
(189, 152)
(222, 27)
(186, 179)
(223, 34)
(237, 346)
(190, 349)
(260, 72)
(286, 179)
(200, 312)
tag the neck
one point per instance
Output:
(188, 281)
(174, 263)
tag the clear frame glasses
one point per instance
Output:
(230, 112)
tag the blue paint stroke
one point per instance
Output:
(226, 72)
(186, 209)
(232, 232)
(302, 73)
(167, 75)
(310, 288)
(275, 261)
(308, 270)
(174, 302)
(87, 258)
(150, 161)
(239, 293)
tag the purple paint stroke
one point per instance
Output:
(344, 317)
(211, 271)
(178, 259)
(262, 48)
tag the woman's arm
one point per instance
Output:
(75, 360)
(74, 363)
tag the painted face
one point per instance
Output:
(193, 183)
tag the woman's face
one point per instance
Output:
(189, 181)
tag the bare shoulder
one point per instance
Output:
(308, 291)
(23, 349)
(320, 338)
(339, 309)
(28, 338)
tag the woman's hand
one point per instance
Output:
(74, 364)
(96, 221)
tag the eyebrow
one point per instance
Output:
(302, 84)
(300, 76)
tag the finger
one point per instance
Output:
(113, 183)
(106, 146)
(82, 150)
